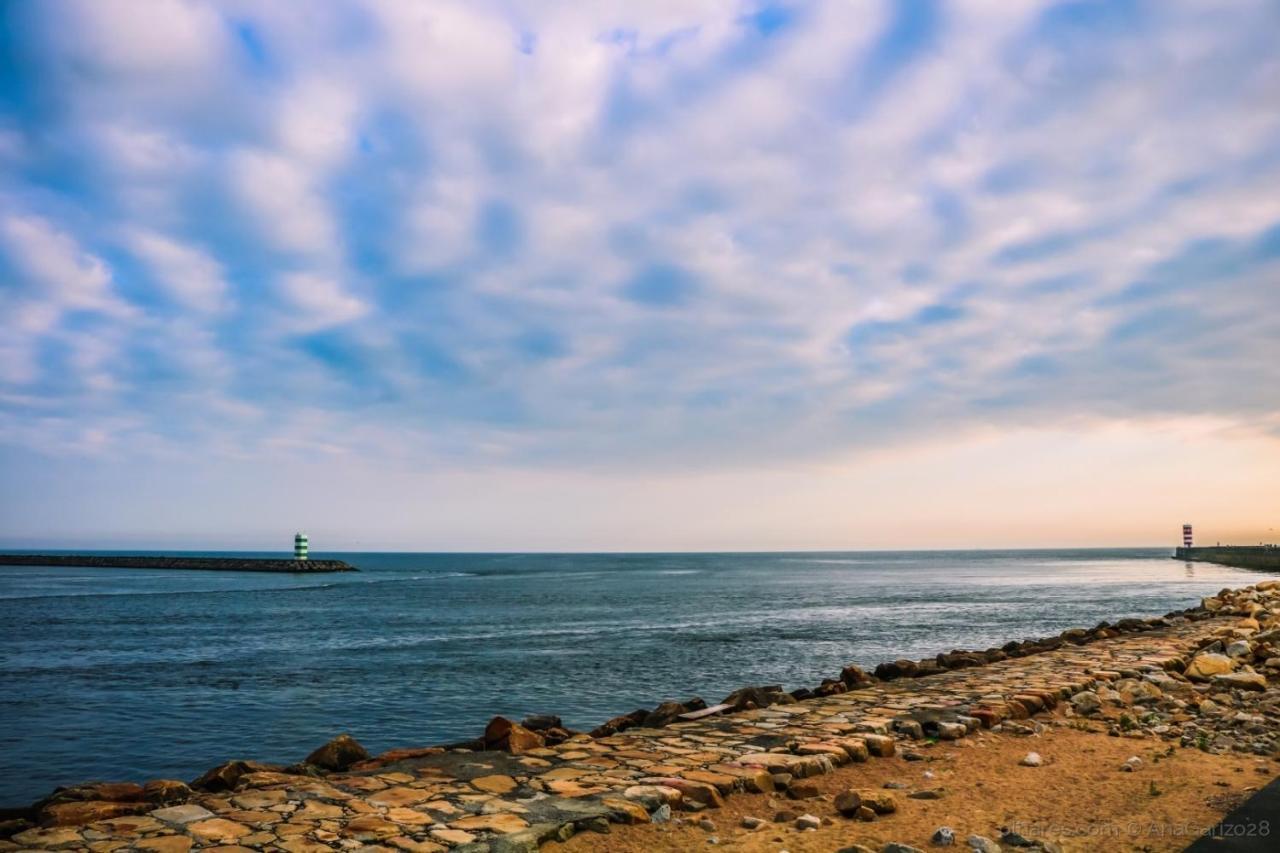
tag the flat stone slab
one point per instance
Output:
(183, 814)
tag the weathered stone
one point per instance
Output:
(497, 784)
(1086, 702)
(1241, 681)
(453, 836)
(338, 754)
(808, 821)
(166, 792)
(803, 789)
(880, 802)
(490, 823)
(848, 802)
(370, 827)
(879, 745)
(165, 844)
(1204, 666)
(1031, 759)
(78, 812)
(180, 815)
(217, 829)
(944, 836)
(504, 735)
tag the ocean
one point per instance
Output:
(136, 674)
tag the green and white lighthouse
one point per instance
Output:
(300, 546)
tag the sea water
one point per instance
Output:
(121, 674)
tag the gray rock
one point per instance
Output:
(808, 821)
(1086, 702)
(895, 847)
(752, 822)
(1239, 649)
(707, 824)
(1031, 759)
(982, 844)
(927, 794)
(944, 836)
(661, 814)
(182, 814)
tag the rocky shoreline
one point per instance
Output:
(1204, 678)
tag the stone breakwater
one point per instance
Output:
(1206, 678)
(212, 564)
(1264, 557)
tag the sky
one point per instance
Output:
(657, 275)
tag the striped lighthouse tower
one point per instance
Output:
(300, 546)
(1186, 536)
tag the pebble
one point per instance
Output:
(808, 821)
(752, 822)
(1131, 764)
(944, 836)
(1031, 759)
(661, 814)
(895, 847)
(707, 824)
(982, 844)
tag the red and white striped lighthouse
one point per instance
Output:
(1186, 536)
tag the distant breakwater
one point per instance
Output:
(212, 564)
(1266, 557)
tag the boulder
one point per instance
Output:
(665, 713)
(107, 792)
(1086, 702)
(854, 676)
(76, 812)
(1241, 681)
(746, 698)
(502, 734)
(541, 722)
(227, 775)
(338, 754)
(848, 802)
(880, 802)
(166, 792)
(1206, 665)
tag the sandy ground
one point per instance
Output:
(1079, 798)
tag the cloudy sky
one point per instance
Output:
(666, 274)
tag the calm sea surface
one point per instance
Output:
(137, 674)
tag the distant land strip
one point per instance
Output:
(213, 564)
(1238, 556)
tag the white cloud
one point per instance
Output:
(287, 207)
(187, 273)
(55, 267)
(314, 302)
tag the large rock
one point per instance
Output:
(107, 792)
(665, 713)
(227, 775)
(338, 754)
(502, 734)
(854, 676)
(76, 812)
(1241, 681)
(746, 698)
(1205, 666)
(848, 802)
(166, 792)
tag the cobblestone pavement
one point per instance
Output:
(448, 799)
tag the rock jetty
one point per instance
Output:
(1206, 679)
(211, 564)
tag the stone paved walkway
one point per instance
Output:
(492, 801)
